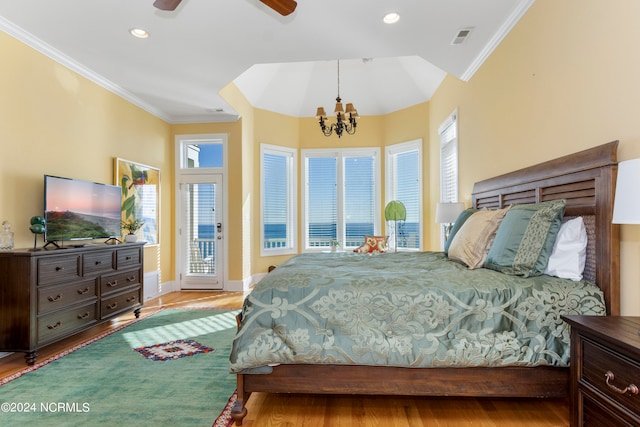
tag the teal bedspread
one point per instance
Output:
(406, 309)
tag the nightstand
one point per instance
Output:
(605, 370)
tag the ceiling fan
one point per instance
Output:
(283, 7)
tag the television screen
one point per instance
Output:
(76, 209)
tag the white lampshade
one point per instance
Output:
(447, 213)
(626, 208)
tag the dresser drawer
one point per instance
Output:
(58, 297)
(118, 281)
(600, 362)
(127, 258)
(121, 302)
(598, 414)
(98, 262)
(56, 324)
(58, 269)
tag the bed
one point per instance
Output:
(330, 359)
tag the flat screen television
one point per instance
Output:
(81, 210)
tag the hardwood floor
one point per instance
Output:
(270, 410)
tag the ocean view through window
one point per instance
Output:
(404, 183)
(341, 197)
(278, 200)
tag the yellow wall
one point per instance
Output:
(566, 78)
(53, 121)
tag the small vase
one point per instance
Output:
(6, 237)
(130, 238)
(334, 248)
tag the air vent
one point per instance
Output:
(461, 36)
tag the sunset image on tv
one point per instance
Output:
(76, 209)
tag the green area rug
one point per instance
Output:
(168, 369)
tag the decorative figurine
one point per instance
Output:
(38, 226)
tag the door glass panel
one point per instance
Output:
(200, 229)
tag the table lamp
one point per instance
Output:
(395, 211)
(626, 206)
(447, 213)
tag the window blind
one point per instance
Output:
(404, 184)
(359, 199)
(278, 200)
(449, 159)
(341, 200)
(321, 201)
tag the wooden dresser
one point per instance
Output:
(605, 370)
(48, 295)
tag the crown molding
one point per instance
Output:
(53, 53)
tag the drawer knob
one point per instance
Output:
(84, 315)
(131, 278)
(609, 377)
(98, 262)
(112, 284)
(56, 298)
(131, 299)
(128, 258)
(59, 268)
(112, 306)
(83, 291)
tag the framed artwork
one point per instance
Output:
(140, 197)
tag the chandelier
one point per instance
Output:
(346, 121)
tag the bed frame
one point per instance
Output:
(587, 181)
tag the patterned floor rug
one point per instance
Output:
(168, 369)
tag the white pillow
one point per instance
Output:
(569, 251)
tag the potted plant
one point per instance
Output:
(132, 226)
(335, 244)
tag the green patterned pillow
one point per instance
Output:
(524, 241)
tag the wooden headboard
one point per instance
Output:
(587, 180)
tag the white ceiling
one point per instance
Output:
(281, 64)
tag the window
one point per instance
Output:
(448, 132)
(204, 152)
(404, 183)
(341, 197)
(278, 192)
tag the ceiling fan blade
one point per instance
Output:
(283, 7)
(166, 4)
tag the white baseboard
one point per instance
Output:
(151, 285)
(237, 285)
(153, 289)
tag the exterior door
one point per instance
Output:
(201, 234)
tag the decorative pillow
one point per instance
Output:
(570, 251)
(524, 241)
(464, 215)
(471, 243)
(373, 244)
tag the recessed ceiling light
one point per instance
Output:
(391, 18)
(139, 33)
